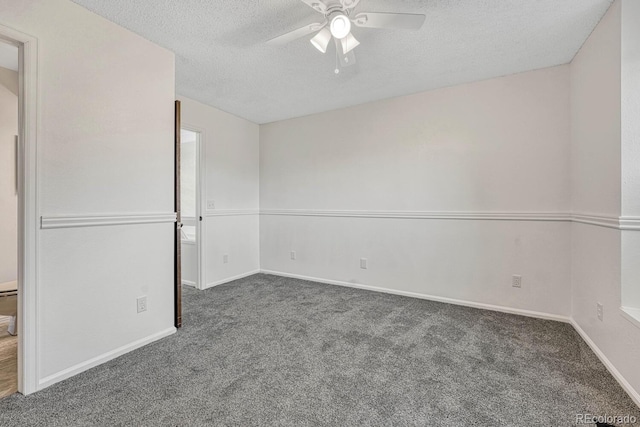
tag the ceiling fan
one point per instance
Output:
(337, 26)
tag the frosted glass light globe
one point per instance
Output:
(340, 26)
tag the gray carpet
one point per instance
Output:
(272, 351)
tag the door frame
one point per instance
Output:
(177, 235)
(28, 209)
(201, 217)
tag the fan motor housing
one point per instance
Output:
(335, 7)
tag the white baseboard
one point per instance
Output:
(189, 283)
(103, 358)
(231, 279)
(635, 396)
(502, 309)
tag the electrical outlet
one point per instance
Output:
(599, 311)
(142, 304)
(225, 259)
(364, 263)
(516, 281)
(211, 204)
(293, 255)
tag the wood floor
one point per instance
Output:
(8, 360)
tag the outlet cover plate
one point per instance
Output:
(141, 304)
(516, 281)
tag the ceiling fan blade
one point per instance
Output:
(349, 4)
(317, 5)
(391, 21)
(296, 34)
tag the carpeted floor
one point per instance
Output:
(273, 351)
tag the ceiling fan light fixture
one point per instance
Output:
(340, 26)
(321, 40)
(349, 43)
(337, 25)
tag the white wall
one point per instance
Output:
(105, 147)
(499, 146)
(188, 178)
(630, 150)
(595, 114)
(230, 149)
(8, 197)
(597, 180)
(630, 112)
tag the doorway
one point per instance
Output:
(9, 224)
(28, 214)
(190, 209)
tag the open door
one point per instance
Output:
(191, 208)
(177, 233)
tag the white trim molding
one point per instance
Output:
(632, 315)
(103, 358)
(624, 223)
(232, 212)
(608, 221)
(598, 220)
(99, 220)
(496, 216)
(631, 223)
(231, 279)
(465, 303)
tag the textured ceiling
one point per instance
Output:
(222, 60)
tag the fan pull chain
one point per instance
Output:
(337, 70)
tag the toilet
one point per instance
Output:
(189, 261)
(9, 303)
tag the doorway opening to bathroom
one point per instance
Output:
(9, 129)
(26, 176)
(192, 217)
